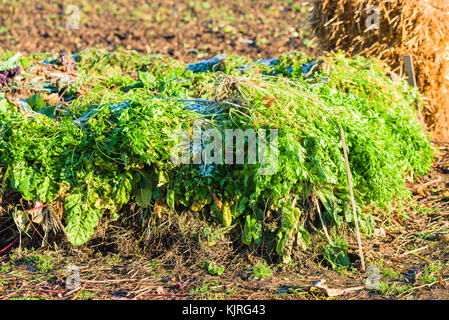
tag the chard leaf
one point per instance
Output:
(81, 219)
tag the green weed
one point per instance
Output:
(389, 273)
(392, 289)
(261, 271)
(5, 268)
(431, 273)
(114, 259)
(85, 294)
(213, 269)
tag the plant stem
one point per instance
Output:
(351, 192)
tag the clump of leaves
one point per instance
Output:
(5, 268)
(261, 270)
(213, 269)
(85, 295)
(390, 273)
(336, 253)
(431, 273)
(42, 262)
(392, 289)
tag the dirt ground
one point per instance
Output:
(410, 248)
(186, 30)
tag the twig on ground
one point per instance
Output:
(414, 251)
(170, 294)
(421, 257)
(73, 291)
(430, 183)
(114, 280)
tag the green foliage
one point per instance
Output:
(36, 102)
(5, 268)
(431, 273)
(10, 63)
(389, 273)
(42, 262)
(114, 259)
(336, 253)
(112, 145)
(393, 289)
(85, 295)
(213, 269)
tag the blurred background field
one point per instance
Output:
(185, 30)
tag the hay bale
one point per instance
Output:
(416, 27)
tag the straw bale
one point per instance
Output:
(416, 27)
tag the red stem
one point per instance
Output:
(9, 245)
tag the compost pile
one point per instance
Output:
(388, 30)
(110, 143)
